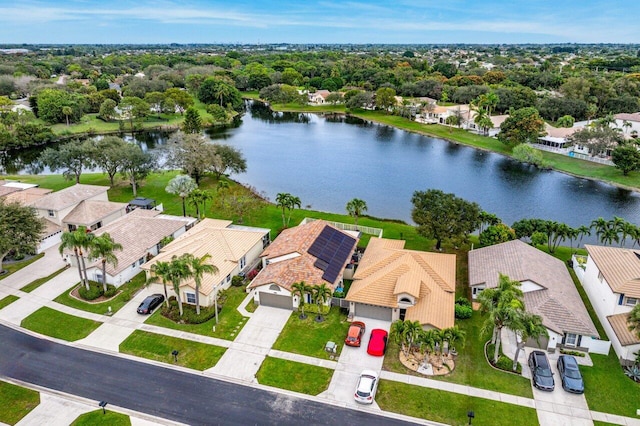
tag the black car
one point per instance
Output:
(570, 374)
(541, 371)
(150, 303)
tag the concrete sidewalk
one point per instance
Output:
(48, 264)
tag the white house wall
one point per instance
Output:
(603, 299)
(596, 346)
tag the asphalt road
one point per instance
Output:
(161, 392)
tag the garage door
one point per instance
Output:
(375, 312)
(276, 300)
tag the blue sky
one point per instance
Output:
(328, 21)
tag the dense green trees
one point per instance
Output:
(522, 126)
(20, 229)
(52, 102)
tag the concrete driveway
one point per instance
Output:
(351, 363)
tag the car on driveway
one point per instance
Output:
(377, 342)
(150, 303)
(541, 371)
(355, 333)
(367, 386)
(570, 374)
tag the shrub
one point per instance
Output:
(189, 312)
(95, 291)
(504, 363)
(463, 301)
(237, 281)
(338, 294)
(463, 312)
(252, 274)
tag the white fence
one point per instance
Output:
(349, 227)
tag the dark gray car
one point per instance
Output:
(150, 303)
(570, 374)
(541, 371)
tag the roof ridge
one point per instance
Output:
(417, 257)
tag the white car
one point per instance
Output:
(367, 386)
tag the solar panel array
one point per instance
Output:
(332, 249)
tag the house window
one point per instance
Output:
(243, 262)
(51, 213)
(631, 301)
(191, 297)
(274, 287)
(141, 261)
(133, 265)
(600, 276)
(72, 228)
(228, 278)
(476, 291)
(570, 339)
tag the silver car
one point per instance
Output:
(367, 386)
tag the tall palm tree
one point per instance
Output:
(300, 289)
(355, 208)
(527, 326)
(633, 321)
(321, 293)
(161, 271)
(454, 334)
(428, 339)
(69, 242)
(397, 332)
(293, 203)
(179, 272)
(583, 230)
(79, 241)
(103, 247)
(599, 225)
(412, 330)
(282, 201)
(199, 267)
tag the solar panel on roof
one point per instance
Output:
(332, 248)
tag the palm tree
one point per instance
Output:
(282, 201)
(162, 271)
(627, 229)
(300, 289)
(397, 332)
(633, 321)
(454, 334)
(67, 111)
(412, 330)
(321, 293)
(293, 203)
(103, 247)
(355, 208)
(583, 230)
(428, 339)
(70, 242)
(527, 326)
(599, 225)
(182, 186)
(179, 271)
(199, 267)
(504, 304)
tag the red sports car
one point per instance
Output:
(377, 342)
(354, 336)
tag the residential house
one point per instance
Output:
(314, 252)
(394, 283)
(548, 289)
(556, 139)
(611, 279)
(629, 124)
(234, 250)
(319, 97)
(140, 233)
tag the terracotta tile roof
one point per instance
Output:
(50, 228)
(91, 211)
(619, 266)
(293, 243)
(387, 270)
(558, 302)
(497, 120)
(621, 328)
(225, 245)
(28, 196)
(137, 234)
(6, 190)
(628, 117)
(560, 132)
(68, 196)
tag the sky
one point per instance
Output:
(312, 21)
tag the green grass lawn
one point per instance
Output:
(231, 322)
(6, 301)
(126, 293)
(12, 267)
(57, 324)
(294, 376)
(471, 366)
(16, 402)
(450, 408)
(308, 337)
(607, 389)
(111, 418)
(38, 282)
(597, 423)
(196, 355)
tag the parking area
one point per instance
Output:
(351, 363)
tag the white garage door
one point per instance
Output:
(276, 301)
(372, 311)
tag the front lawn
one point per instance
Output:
(294, 376)
(57, 324)
(448, 407)
(124, 295)
(8, 300)
(230, 320)
(471, 366)
(11, 267)
(38, 282)
(607, 389)
(308, 337)
(196, 355)
(111, 418)
(16, 402)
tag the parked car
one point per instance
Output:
(150, 303)
(377, 342)
(570, 374)
(367, 386)
(541, 371)
(355, 333)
